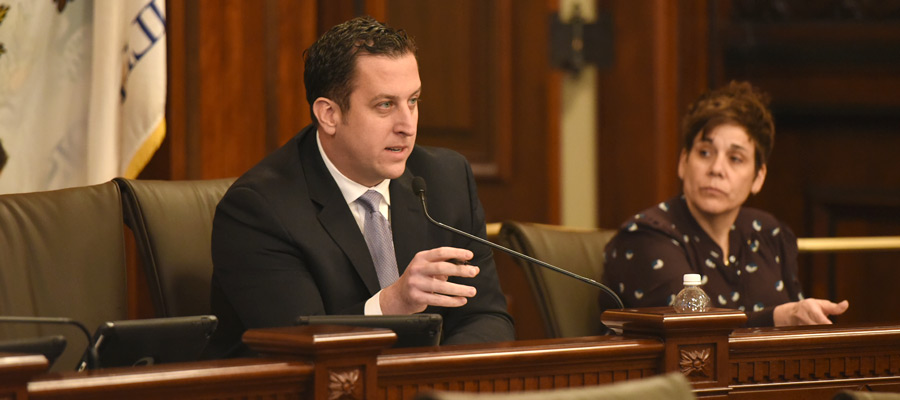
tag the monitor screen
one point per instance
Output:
(414, 330)
(151, 341)
(50, 346)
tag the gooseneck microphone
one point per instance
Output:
(418, 185)
(91, 357)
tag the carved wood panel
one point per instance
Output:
(345, 383)
(698, 362)
(818, 368)
(516, 382)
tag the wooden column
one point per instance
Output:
(344, 357)
(16, 371)
(696, 344)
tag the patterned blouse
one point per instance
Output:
(647, 259)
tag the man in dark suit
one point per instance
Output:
(290, 236)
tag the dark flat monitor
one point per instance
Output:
(414, 330)
(49, 346)
(152, 341)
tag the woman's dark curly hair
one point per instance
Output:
(738, 103)
(331, 61)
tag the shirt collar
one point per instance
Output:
(350, 189)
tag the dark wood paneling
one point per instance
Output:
(466, 81)
(833, 72)
(489, 93)
(235, 84)
(865, 279)
(288, 111)
(236, 89)
(232, 98)
(638, 103)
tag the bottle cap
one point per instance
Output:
(691, 279)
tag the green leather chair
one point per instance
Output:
(172, 225)
(62, 254)
(568, 307)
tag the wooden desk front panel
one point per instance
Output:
(518, 366)
(224, 379)
(800, 363)
(770, 364)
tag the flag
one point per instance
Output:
(82, 90)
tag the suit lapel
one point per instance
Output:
(408, 221)
(334, 215)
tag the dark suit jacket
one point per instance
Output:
(285, 244)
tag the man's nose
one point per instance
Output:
(407, 119)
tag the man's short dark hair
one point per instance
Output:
(331, 61)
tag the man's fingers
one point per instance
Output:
(443, 294)
(447, 269)
(431, 285)
(444, 261)
(440, 300)
(447, 253)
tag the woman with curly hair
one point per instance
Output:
(747, 259)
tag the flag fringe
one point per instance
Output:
(144, 153)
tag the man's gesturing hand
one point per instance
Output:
(424, 283)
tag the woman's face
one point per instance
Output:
(718, 173)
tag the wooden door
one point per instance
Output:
(489, 93)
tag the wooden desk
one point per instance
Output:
(322, 362)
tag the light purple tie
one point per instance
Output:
(379, 238)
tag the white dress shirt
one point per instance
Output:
(351, 191)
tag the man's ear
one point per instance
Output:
(682, 161)
(328, 113)
(759, 180)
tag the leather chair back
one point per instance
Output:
(568, 307)
(865, 395)
(62, 254)
(172, 225)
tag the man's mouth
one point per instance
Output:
(394, 149)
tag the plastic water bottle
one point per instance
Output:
(691, 298)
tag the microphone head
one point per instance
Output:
(418, 186)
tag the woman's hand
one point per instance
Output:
(807, 312)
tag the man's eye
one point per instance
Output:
(384, 104)
(413, 101)
(703, 152)
(737, 160)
